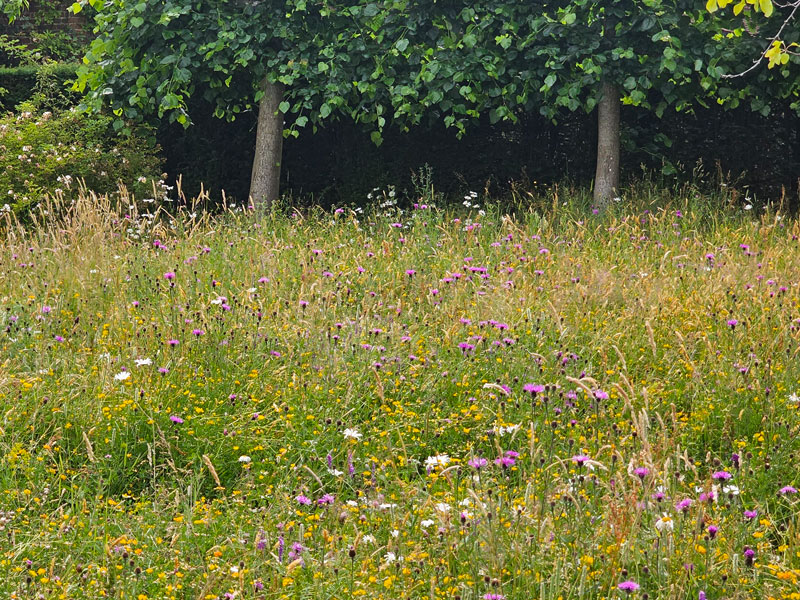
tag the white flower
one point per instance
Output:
(426, 523)
(665, 523)
(352, 434)
(352, 503)
(440, 460)
(507, 429)
(244, 458)
(387, 505)
(122, 376)
(748, 207)
(794, 398)
(368, 539)
(395, 533)
(390, 557)
(442, 507)
(142, 362)
(731, 490)
(336, 472)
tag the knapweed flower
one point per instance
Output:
(176, 419)
(303, 500)
(326, 499)
(749, 556)
(641, 472)
(533, 388)
(750, 514)
(732, 323)
(580, 459)
(493, 596)
(787, 489)
(173, 343)
(198, 332)
(477, 463)
(712, 531)
(628, 586)
(504, 461)
(684, 505)
(169, 275)
(721, 476)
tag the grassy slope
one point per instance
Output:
(292, 330)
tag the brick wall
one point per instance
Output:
(45, 15)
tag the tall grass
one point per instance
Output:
(420, 404)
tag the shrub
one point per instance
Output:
(47, 154)
(23, 83)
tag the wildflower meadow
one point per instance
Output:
(422, 404)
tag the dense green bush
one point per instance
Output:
(49, 153)
(21, 84)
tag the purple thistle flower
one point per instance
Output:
(176, 419)
(579, 459)
(533, 388)
(788, 489)
(198, 332)
(684, 505)
(504, 461)
(712, 531)
(628, 586)
(641, 472)
(169, 275)
(303, 500)
(721, 476)
(732, 323)
(326, 499)
(750, 514)
(477, 463)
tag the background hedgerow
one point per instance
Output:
(401, 404)
(45, 153)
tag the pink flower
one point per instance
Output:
(628, 586)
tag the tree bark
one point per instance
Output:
(606, 178)
(266, 175)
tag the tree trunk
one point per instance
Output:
(266, 175)
(606, 178)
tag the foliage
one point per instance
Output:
(148, 58)
(49, 154)
(15, 54)
(12, 8)
(778, 40)
(47, 85)
(298, 407)
(58, 46)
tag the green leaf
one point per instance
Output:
(325, 110)
(284, 107)
(376, 138)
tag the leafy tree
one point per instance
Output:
(292, 60)
(503, 58)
